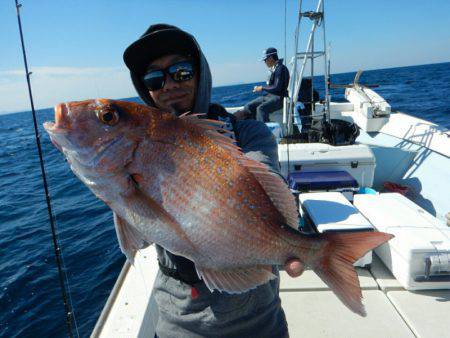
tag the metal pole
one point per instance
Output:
(61, 272)
(327, 67)
(308, 49)
(285, 16)
(313, 110)
(288, 111)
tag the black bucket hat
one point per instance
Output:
(159, 40)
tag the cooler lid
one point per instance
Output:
(415, 229)
(321, 180)
(331, 211)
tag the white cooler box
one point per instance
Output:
(358, 160)
(419, 255)
(331, 211)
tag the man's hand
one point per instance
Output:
(294, 267)
(257, 89)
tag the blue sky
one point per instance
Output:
(75, 47)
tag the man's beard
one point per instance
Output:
(179, 108)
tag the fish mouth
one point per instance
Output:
(50, 127)
(62, 120)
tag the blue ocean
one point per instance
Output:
(30, 299)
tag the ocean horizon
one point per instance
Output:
(252, 84)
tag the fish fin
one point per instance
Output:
(236, 280)
(214, 129)
(278, 192)
(275, 187)
(130, 240)
(205, 123)
(336, 269)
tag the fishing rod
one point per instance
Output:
(59, 262)
(237, 95)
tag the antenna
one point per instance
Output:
(59, 263)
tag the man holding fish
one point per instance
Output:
(170, 72)
(204, 188)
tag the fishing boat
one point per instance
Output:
(393, 176)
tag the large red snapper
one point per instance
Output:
(178, 182)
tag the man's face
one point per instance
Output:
(269, 61)
(175, 97)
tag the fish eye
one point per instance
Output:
(108, 115)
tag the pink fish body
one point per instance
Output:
(178, 182)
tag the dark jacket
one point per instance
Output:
(279, 80)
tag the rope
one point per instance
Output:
(59, 263)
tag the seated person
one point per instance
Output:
(275, 91)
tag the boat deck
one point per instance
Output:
(311, 308)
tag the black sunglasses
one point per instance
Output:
(179, 72)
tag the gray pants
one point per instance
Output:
(254, 314)
(262, 106)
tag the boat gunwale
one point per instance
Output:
(104, 315)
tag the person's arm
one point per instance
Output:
(258, 143)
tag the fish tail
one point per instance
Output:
(335, 267)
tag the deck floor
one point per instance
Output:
(312, 310)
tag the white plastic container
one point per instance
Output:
(331, 211)
(357, 159)
(419, 255)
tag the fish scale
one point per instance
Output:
(216, 226)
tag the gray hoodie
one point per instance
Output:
(256, 313)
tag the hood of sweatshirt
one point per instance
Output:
(159, 40)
